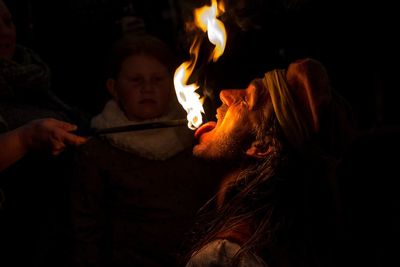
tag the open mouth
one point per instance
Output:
(207, 127)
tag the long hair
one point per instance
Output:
(284, 207)
(250, 196)
(283, 201)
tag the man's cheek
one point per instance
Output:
(228, 125)
(230, 121)
(235, 127)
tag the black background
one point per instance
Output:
(353, 39)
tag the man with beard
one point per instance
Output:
(285, 134)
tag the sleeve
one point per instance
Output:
(220, 252)
(88, 211)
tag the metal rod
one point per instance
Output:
(134, 127)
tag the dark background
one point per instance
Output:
(353, 39)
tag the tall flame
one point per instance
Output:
(205, 18)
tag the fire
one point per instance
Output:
(206, 19)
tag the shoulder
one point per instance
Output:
(220, 252)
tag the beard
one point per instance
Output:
(219, 148)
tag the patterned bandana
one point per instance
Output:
(292, 121)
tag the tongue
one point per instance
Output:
(204, 128)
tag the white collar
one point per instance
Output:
(155, 144)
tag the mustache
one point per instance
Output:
(221, 111)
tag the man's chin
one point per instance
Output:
(199, 152)
(204, 152)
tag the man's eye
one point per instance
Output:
(245, 100)
(249, 101)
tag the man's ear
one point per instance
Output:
(261, 149)
(111, 88)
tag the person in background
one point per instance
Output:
(25, 82)
(135, 194)
(278, 206)
(32, 185)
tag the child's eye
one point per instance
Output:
(135, 79)
(158, 79)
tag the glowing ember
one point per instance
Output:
(205, 18)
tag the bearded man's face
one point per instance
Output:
(237, 118)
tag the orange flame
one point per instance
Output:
(205, 18)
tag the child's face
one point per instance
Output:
(143, 87)
(7, 33)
